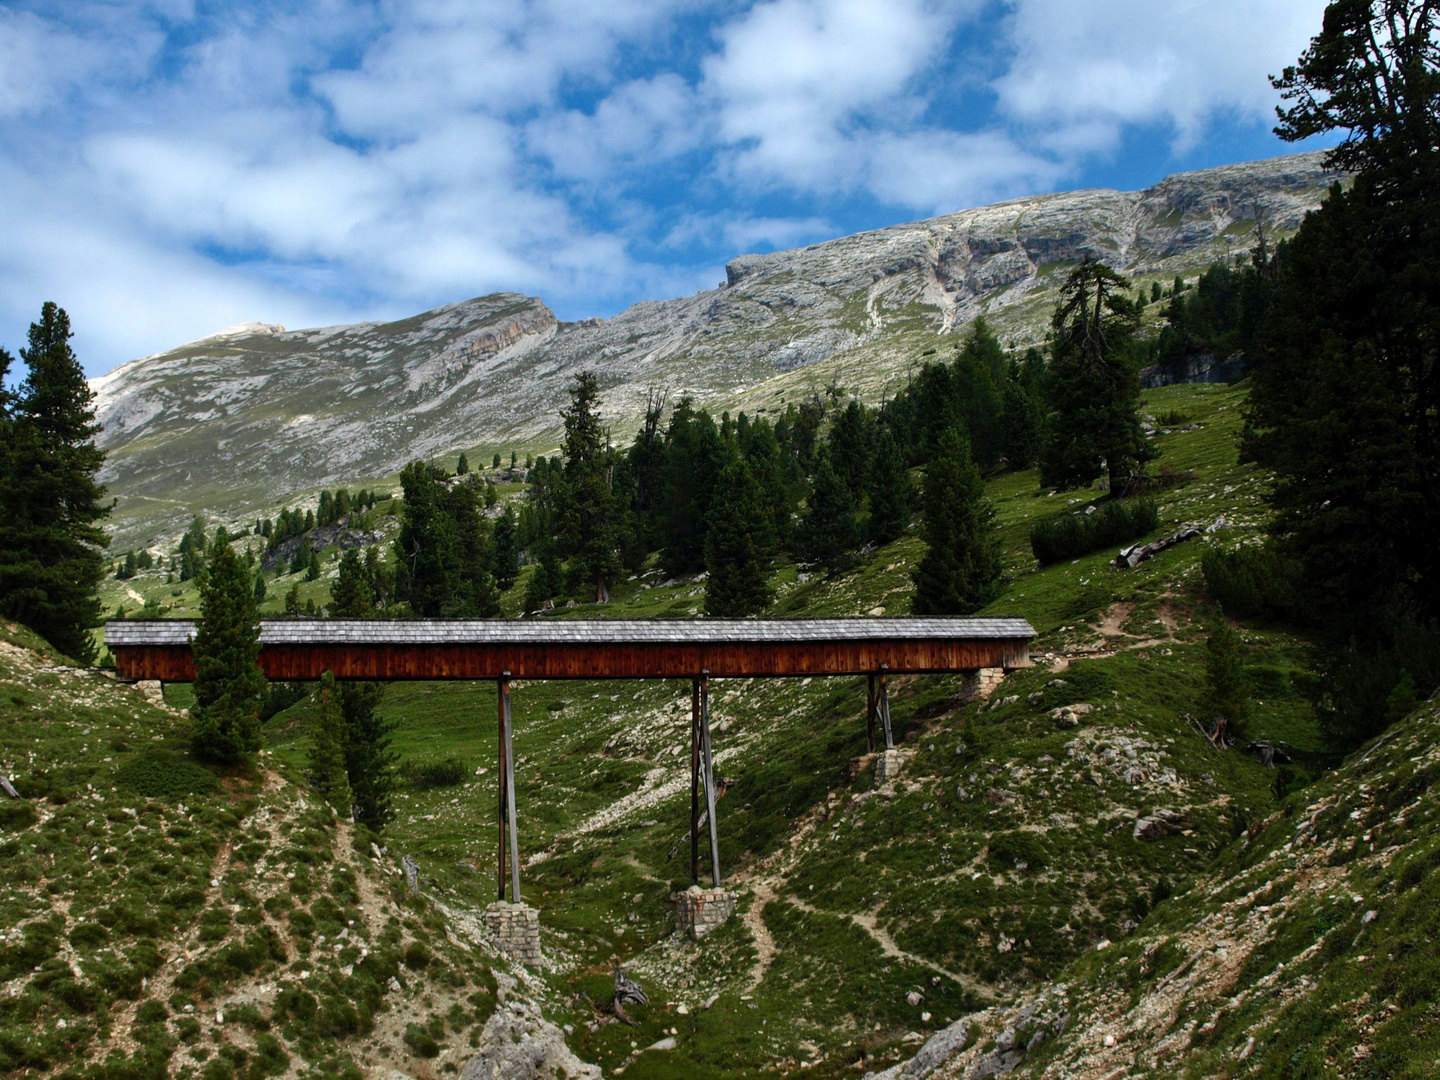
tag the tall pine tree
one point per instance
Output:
(1093, 384)
(51, 543)
(960, 572)
(892, 496)
(327, 752)
(828, 531)
(590, 516)
(738, 545)
(229, 686)
(368, 760)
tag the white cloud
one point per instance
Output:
(798, 81)
(1084, 69)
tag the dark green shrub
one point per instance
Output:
(164, 774)
(1018, 850)
(417, 956)
(1070, 535)
(16, 815)
(1253, 583)
(421, 1041)
(436, 774)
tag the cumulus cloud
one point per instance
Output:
(1084, 69)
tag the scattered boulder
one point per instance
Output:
(1069, 716)
(1159, 824)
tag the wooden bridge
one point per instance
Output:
(504, 649)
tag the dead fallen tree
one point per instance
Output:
(1133, 556)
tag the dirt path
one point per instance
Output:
(754, 919)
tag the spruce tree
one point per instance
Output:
(260, 590)
(544, 582)
(506, 548)
(462, 466)
(852, 444)
(737, 545)
(1093, 384)
(229, 686)
(1227, 692)
(590, 517)
(828, 532)
(960, 572)
(51, 543)
(292, 600)
(369, 763)
(351, 597)
(327, 753)
(495, 461)
(312, 566)
(892, 496)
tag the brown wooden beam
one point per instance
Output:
(594, 660)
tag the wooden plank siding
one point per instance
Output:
(827, 647)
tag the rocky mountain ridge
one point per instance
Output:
(256, 414)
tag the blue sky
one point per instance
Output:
(169, 168)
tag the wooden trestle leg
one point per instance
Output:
(503, 696)
(870, 715)
(695, 782)
(510, 790)
(709, 767)
(884, 706)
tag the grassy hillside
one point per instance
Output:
(870, 917)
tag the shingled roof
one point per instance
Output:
(141, 632)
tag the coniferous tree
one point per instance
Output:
(312, 566)
(692, 455)
(444, 547)
(828, 532)
(192, 549)
(351, 597)
(892, 496)
(51, 544)
(590, 518)
(960, 572)
(852, 443)
(737, 546)
(462, 466)
(1346, 396)
(544, 583)
(1093, 384)
(229, 686)
(327, 752)
(369, 763)
(292, 600)
(1227, 692)
(260, 590)
(1021, 426)
(495, 461)
(506, 547)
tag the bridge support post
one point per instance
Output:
(870, 714)
(513, 928)
(891, 761)
(694, 781)
(507, 799)
(883, 704)
(699, 911)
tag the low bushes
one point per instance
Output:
(160, 774)
(448, 773)
(1069, 536)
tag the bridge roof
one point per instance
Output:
(140, 632)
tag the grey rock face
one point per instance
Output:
(255, 414)
(519, 1044)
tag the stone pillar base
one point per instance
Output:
(859, 764)
(698, 911)
(889, 764)
(514, 929)
(980, 684)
